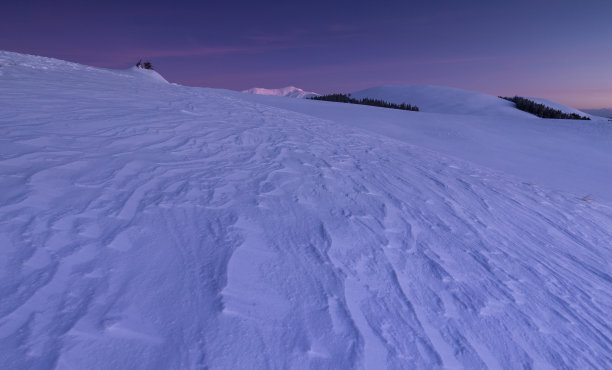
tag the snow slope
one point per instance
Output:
(148, 225)
(289, 91)
(566, 155)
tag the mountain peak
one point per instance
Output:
(289, 91)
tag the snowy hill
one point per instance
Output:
(146, 225)
(289, 91)
(439, 99)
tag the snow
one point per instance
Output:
(289, 91)
(149, 73)
(148, 225)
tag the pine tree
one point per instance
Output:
(541, 110)
(346, 98)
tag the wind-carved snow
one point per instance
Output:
(448, 100)
(147, 225)
(289, 91)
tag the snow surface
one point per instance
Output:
(148, 225)
(566, 155)
(289, 91)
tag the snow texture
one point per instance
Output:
(289, 91)
(562, 155)
(146, 225)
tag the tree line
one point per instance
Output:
(346, 98)
(145, 65)
(541, 110)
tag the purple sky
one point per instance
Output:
(560, 50)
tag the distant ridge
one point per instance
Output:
(449, 100)
(604, 112)
(289, 91)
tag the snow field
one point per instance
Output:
(148, 225)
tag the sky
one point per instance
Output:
(558, 50)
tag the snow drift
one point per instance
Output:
(148, 225)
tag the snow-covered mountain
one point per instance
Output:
(148, 225)
(289, 91)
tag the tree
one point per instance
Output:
(145, 65)
(346, 98)
(541, 110)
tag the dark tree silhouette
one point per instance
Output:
(346, 98)
(145, 65)
(541, 110)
